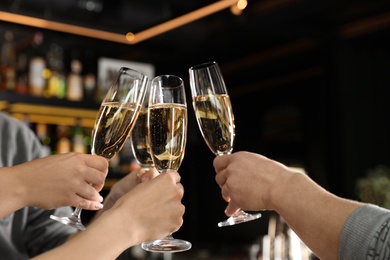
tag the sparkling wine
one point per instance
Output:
(139, 139)
(113, 125)
(216, 120)
(168, 130)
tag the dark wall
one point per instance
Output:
(363, 73)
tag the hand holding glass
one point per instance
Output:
(115, 120)
(167, 124)
(214, 114)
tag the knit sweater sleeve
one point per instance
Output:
(366, 234)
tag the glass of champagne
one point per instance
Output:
(167, 126)
(115, 120)
(139, 138)
(214, 114)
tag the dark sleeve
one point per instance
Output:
(366, 234)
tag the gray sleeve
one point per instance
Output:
(366, 234)
(18, 143)
(28, 231)
(41, 233)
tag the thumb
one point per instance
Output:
(231, 209)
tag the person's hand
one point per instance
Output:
(151, 210)
(71, 179)
(124, 185)
(247, 180)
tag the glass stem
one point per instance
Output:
(76, 214)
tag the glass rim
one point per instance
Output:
(127, 69)
(180, 81)
(204, 65)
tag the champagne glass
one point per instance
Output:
(115, 120)
(215, 118)
(167, 124)
(139, 137)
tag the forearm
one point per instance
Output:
(101, 240)
(12, 194)
(321, 215)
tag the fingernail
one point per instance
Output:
(98, 206)
(101, 199)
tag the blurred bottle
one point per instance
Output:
(8, 63)
(37, 65)
(89, 85)
(75, 91)
(56, 85)
(89, 71)
(42, 133)
(64, 144)
(281, 243)
(21, 74)
(78, 139)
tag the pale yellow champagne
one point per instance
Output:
(168, 135)
(112, 127)
(216, 122)
(139, 139)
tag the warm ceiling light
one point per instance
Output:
(242, 4)
(129, 38)
(234, 10)
(62, 27)
(239, 7)
(182, 20)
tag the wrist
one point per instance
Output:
(20, 187)
(13, 190)
(282, 183)
(125, 237)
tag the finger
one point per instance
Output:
(181, 190)
(153, 171)
(88, 192)
(75, 200)
(175, 175)
(98, 162)
(90, 205)
(221, 178)
(146, 175)
(225, 194)
(231, 209)
(140, 172)
(96, 187)
(220, 162)
(95, 178)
